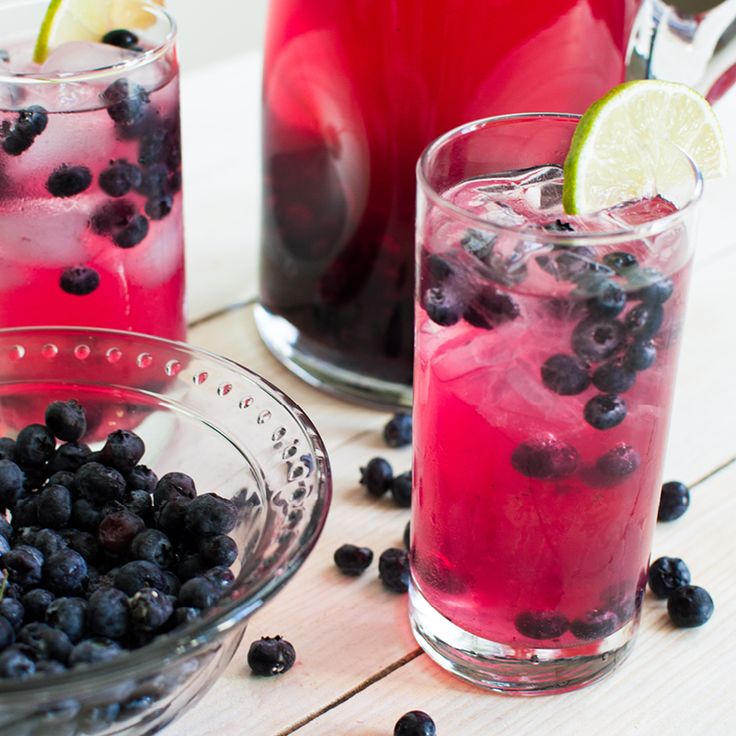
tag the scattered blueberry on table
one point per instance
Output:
(377, 476)
(393, 569)
(398, 430)
(353, 560)
(674, 501)
(666, 574)
(415, 723)
(271, 656)
(689, 606)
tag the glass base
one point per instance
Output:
(282, 339)
(523, 671)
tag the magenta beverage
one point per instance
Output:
(545, 363)
(91, 226)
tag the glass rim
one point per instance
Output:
(608, 237)
(89, 75)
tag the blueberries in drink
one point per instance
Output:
(150, 609)
(393, 569)
(398, 430)
(541, 624)
(605, 411)
(565, 374)
(34, 445)
(674, 501)
(666, 574)
(644, 320)
(653, 286)
(608, 299)
(597, 338)
(159, 207)
(70, 616)
(271, 656)
(377, 476)
(594, 625)
(545, 458)
(119, 178)
(99, 484)
(689, 606)
(68, 181)
(20, 136)
(619, 462)
(490, 308)
(79, 280)
(443, 306)
(16, 665)
(613, 377)
(126, 102)
(11, 484)
(415, 723)
(401, 489)
(121, 221)
(559, 226)
(640, 355)
(65, 573)
(122, 38)
(620, 261)
(353, 560)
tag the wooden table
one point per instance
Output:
(358, 667)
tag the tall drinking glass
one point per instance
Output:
(91, 226)
(546, 349)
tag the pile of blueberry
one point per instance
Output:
(100, 555)
(156, 175)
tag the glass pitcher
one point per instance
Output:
(354, 90)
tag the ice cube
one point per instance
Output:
(550, 195)
(541, 174)
(80, 56)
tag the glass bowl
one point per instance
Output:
(201, 414)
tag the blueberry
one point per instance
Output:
(597, 338)
(352, 560)
(613, 378)
(150, 609)
(65, 572)
(157, 208)
(211, 514)
(123, 450)
(401, 489)
(674, 501)
(442, 305)
(86, 515)
(393, 569)
(218, 550)
(136, 706)
(6, 528)
(271, 656)
(221, 577)
(651, 286)
(4, 546)
(48, 542)
(68, 181)
(559, 226)
(17, 142)
(34, 445)
(90, 651)
(198, 592)
(139, 574)
(79, 280)
(184, 615)
(407, 535)
(689, 606)
(620, 261)
(67, 459)
(644, 320)
(126, 102)
(35, 602)
(47, 642)
(108, 613)
(118, 530)
(171, 518)
(155, 180)
(605, 411)
(70, 616)
(541, 624)
(190, 566)
(54, 507)
(594, 625)
(377, 476)
(119, 178)
(98, 483)
(7, 448)
(171, 486)
(84, 543)
(31, 122)
(24, 565)
(7, 633)
(172, 584)
(12, 610)
(121, 221)
(565, 375)
(16, 665)
(490, 308)
(121, 38)
(11, 484)
(25, 511)
(619, 462)
(666, 574)
(415, 723)
(640, 355)
(608, 299)
(398, 430)
(142, 478)
(154, 546)
(546, 458)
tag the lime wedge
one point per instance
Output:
(87, 20)
(622, 147)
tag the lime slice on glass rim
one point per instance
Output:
(87, 20)
(622, 147)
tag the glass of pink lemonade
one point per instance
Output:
(90, 175)
(546, 349)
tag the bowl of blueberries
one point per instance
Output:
(152, 497)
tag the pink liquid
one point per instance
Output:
(353, 91)
(490, 543)
(141, 288)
